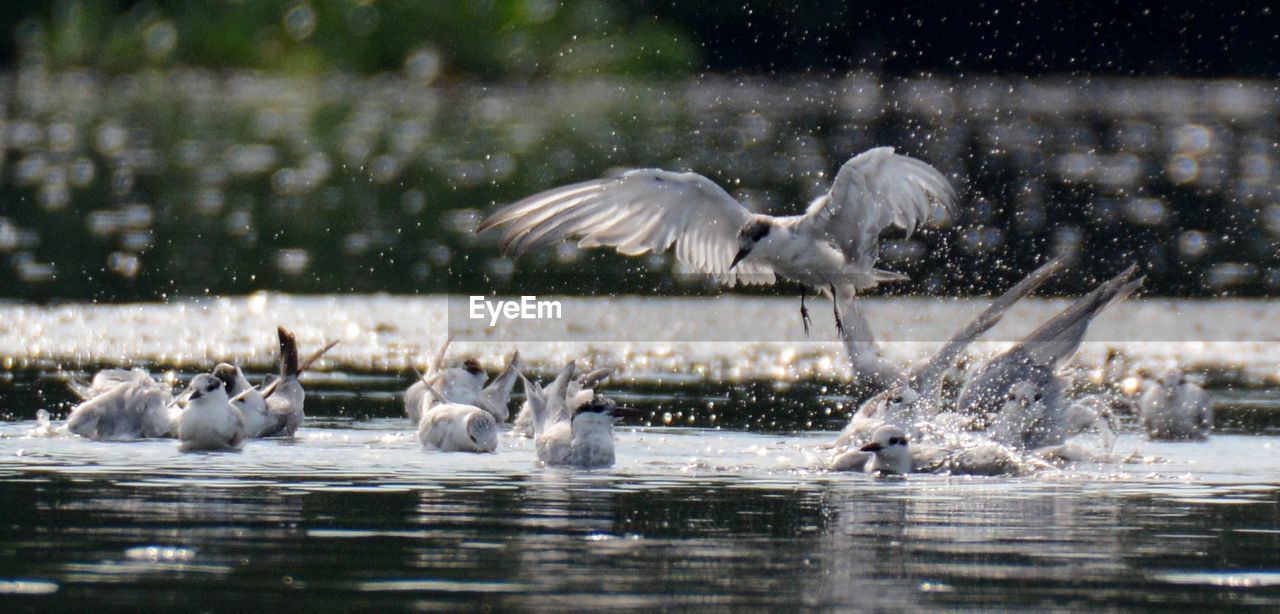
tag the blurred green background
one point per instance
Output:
(489, 39)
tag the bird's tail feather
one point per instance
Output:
(288, 352)
(881, 276)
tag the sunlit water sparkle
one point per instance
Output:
(353, 514)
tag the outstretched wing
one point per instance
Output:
(641, 211)
(1057, 340)
(927, 378)
(875, 190)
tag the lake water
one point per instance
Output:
(714, 502)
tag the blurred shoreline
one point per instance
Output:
(728, 338)
(185, 182)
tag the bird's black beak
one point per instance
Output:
(872, 447)
(742, 253)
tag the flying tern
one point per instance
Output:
(833, 247)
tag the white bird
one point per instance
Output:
(582, 437)
(890, 452)
(1021, 416)
(104, 381)
(1032, 366)
(246, 398)
(210, 422)
(275, 409)
(283, 393)
(1175, 408)
(913, 396)
(465, 385)
(454, 427)
(580, 391)
(123, 405)
(832, 247)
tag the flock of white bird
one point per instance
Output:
(1012, 413)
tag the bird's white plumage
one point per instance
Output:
(454, 427)
(836, 242)
(641, 211)
(577, 438)
(895, 407)
(209, 423)
(874, 190)
(1174, 408)
(247, 399)
(915, 395)
(465, 385)
(578, 392)
(123, 405)
(1032, 366)
(891, 452)
(1022, 415)
(103, 381)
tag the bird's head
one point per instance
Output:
(1023, 395)
(902, 397)
(472, 366)
(602, 409)
(227, 374)
(1172, 376)
(892, 449)
(483, 431)
(892, 406)
(205, 385)
(751, 234)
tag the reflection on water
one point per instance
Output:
(186, 182)
(348, 517)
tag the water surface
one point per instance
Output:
(715, 501)
(354, 514)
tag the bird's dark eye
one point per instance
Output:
(1037, 397)
(897, 399)
(893, 441)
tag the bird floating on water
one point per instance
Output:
(1175, 408)
(122, 405)
(246, 398)
(833, 247)
(579, 392)
(577, 437)
(455, 427)
(283, 393)
(1020, 393)
(210, 421)
(890, 452)
(914, 396)
(465, 384)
